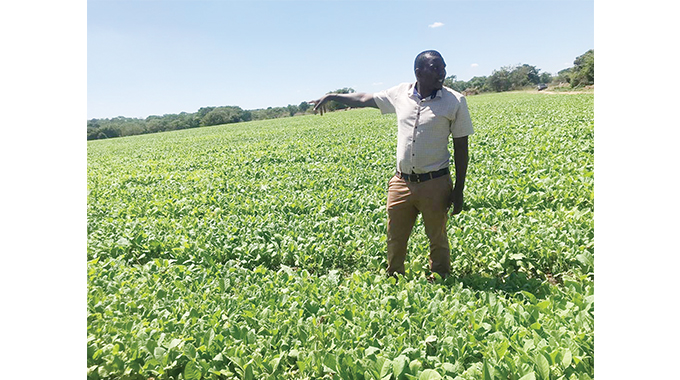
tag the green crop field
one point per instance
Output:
(257, 251)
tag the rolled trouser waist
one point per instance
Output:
(422, 177)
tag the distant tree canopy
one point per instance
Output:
(205, 116)
(524, 76)
(583, 72)
(504, 79)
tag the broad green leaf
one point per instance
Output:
(190, 351)
(192, 371)
(566, 357)
(487, 371)
(429, 374)
(174, 343)
(159, 353)
(532, 298)
(502, 349)
(386, 369)
(448, 367)
(528, 376)
(371, 351)
(248, 372)
(274, 363)
(414, 366)
(542, 366)
(398, 365)
(103, 372)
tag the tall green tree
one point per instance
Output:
(477, 83)
(499, 79)
(523, 76)
(583, 73)
(454, 84)
(545, 78)
(223, 115)
(292, 109)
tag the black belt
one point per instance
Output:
(423, 176)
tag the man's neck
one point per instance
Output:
(424, 91)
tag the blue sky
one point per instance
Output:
(156, 57)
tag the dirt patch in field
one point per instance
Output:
(563, 92)
(550, 90)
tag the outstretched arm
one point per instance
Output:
(355, 100)
(460, 159)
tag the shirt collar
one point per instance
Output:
(414, 93)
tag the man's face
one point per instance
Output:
(432, 73)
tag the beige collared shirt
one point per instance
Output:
(425, 125)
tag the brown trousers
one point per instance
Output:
(405, 200)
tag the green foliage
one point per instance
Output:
(257, 250)
(513, 78)
(583, 72)
(164, 320)
(303, 107)
(292, 109)
(205, 116)
(456, 85)
(524, 75)
(280, 191)
(499, 80)
(224, 115)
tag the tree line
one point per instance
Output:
(506, 78)
(522, 76)
(205, 116)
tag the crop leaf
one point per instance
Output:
(398, 365)
(371, 351)
(529, 376)
(487, 371)
(159, 353)
(542, 366)
(174, 343)
(192, 371)
(386, 369)
(248, 372)
(190, 351)
(429, 374)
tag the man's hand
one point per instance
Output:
(320, 104)
(457, 201)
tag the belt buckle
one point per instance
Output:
(414, 178)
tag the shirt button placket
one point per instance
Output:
(415, 129)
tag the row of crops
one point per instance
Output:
(257, 250)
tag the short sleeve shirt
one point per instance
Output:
(424, 125)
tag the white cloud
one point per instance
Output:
(474, 65)
(436, 25)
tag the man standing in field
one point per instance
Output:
(427, 113)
